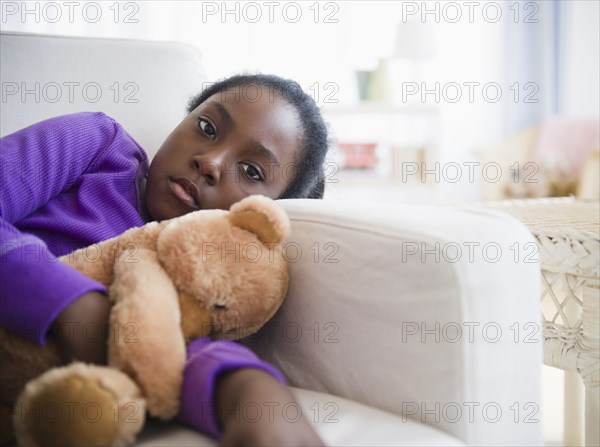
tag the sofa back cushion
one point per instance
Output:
(143, 85)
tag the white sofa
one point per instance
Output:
(387, 336)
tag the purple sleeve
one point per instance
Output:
(36, 165)
(206, 360)
(28, 271)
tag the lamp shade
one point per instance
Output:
(414, 40)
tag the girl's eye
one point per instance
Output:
(252, 172)
(207, 127)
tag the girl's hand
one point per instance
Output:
(238, 396)
(80, 330)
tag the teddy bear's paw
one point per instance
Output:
(79, 405)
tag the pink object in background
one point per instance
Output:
(358, 155)
(565, 143)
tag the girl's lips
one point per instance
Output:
(186, 191)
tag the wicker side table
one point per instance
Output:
(567, 232)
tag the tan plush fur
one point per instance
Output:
(146, 327)
(226, 269)
(93, 396)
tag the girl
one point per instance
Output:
(75, 180)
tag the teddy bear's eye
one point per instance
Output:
(219, 306)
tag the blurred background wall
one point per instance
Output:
(442, 81)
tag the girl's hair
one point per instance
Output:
(308, 178)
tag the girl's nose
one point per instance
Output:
(210, 169)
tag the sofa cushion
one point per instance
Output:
(339, 422)
(144, 85)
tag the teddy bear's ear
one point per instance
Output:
(261, 216)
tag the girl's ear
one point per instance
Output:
(261, 216)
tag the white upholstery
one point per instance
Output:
(339, 422)
(358, 288)
(143, 85)
(369, 304)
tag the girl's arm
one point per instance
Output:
(46, 159)
(71, 329)
(255, 409)
(221, 380)
(36, 288)
(37, 165)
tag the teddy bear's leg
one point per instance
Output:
(79, 405)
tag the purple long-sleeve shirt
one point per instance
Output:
(69, 182)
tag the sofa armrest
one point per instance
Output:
(428, 312)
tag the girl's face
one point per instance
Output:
(232, 145)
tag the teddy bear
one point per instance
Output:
(211, 273)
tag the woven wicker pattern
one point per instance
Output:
(568, 236)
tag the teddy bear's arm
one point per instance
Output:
(146, 339)
(97, 260)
